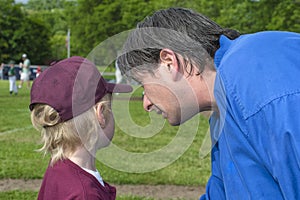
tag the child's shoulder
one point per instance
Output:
(63, 171)
(61, 180)
(67, 178)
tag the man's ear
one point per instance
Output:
(100, 115)
(169, 59)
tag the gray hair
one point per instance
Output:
(189, 34)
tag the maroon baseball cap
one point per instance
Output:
(71, 87)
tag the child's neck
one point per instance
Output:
(83, 158)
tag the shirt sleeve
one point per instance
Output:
(277, 141)
(215, 186)
(214, 189)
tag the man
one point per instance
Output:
(25, 71)
(187, 64)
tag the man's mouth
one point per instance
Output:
(164, 115)
(160, 112)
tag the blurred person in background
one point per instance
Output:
(25, 73)
(1, 71)
(38, 71)
(12, 78)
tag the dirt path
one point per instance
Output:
(154, 191)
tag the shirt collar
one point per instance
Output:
(224, 46)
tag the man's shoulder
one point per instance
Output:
(254, 73)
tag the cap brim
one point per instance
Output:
(119, 88)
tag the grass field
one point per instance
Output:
(30, 195)
(19, 160)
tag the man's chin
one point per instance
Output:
(181, 120)
(175, 122)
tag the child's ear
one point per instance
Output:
(100, 115)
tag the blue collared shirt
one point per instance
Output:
(256, 134)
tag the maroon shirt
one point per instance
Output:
(66, 180)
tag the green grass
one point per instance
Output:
(17, 195)
(133, 198)
(19, 142)
(30, 195)
(108, 69)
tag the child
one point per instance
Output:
(70, 105)
(12, 78)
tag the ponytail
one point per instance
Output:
(230, 33)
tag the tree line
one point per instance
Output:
(39, 27)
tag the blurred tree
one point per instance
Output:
(250, 16)
(51, 13)
(10, 21)
(114, 17)
(32, 38)
(245, 16)
(39, 5)
(94, 21)
(21, 33)
(286, 16)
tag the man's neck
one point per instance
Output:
(203, 86)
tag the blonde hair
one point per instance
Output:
(61, 139)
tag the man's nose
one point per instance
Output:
(147, 103)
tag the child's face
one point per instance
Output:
(109, 128)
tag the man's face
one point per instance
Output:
(174, 100)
